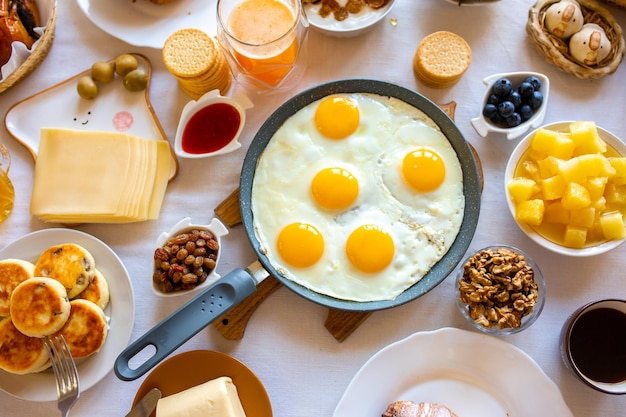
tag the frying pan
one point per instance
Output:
(234, 287)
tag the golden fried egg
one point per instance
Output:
(357, 196)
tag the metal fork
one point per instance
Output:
(65, 372)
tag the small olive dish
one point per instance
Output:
(186, 257)
(211, 125)
(509, 107)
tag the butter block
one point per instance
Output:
(215, 398)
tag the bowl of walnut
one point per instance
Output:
(186, 257)
(500, 290)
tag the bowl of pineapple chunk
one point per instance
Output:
(565, 186)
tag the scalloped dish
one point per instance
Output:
(115, 109)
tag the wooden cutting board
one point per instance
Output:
(340, 323)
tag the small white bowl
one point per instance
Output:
(218, 230)
(353, 25)
(509, 173)
(483, 125)
(241, 103)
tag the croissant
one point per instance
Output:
(18, 20)
(413, 409)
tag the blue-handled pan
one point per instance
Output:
(234, 287)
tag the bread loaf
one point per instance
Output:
(413, 409)
(18, 20)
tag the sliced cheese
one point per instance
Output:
(215, 398)
(99, 177)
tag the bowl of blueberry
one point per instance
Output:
(514, 102)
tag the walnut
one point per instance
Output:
(499, 288)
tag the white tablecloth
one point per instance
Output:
(304, 369)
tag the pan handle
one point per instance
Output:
(185, 322)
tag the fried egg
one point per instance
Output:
(357, 196)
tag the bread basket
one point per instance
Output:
(619, 3)
(555, 50)
(37, 55)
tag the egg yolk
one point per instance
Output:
(369, 248)
(337, 117)
(334, 188)
(423, 169)
(300, 244)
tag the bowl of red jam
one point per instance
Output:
(211, 125)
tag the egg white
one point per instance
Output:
(423, 226)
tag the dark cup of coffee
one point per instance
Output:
(593, 345)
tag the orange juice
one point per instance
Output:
(7, 192)
(266, 29)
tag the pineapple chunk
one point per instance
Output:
(615, 194)
(557, 144)
(580, 167)
(575, 237)
(556, 213)
(585, 136)
(583, 217)
(548, 166)
(596, 186)
(532, 170)
(620, 170)
(553, 188)
(530, 211)
(522, 189)
(612, 223)
(599, 204)
(576, 197)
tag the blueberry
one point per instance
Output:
(525, 112)
(496, 119)
(514, 120)
(536, 100)
(490, 110)
(515, 98)
(506, 108)
(534, 81)
(493, 99)
(526, 90)
(502, 87)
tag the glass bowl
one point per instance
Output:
(495, 314)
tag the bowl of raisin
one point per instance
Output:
(186, 257)
(514, 102)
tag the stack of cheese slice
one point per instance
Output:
(98, 177)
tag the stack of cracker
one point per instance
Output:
(441, 59)
(196, 60)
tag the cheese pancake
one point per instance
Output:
(12, 272)
(97, 291)
(39, 306)
(70, 264)
(86, 330)
(20, 354)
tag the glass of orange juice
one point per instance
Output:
(7, 192)
(264, 41)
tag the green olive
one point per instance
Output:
(87, 88)
(136, 80)
(124, 64)
(102, 72)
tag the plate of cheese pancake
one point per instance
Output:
(119, 311)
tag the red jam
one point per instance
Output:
(211, 128)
